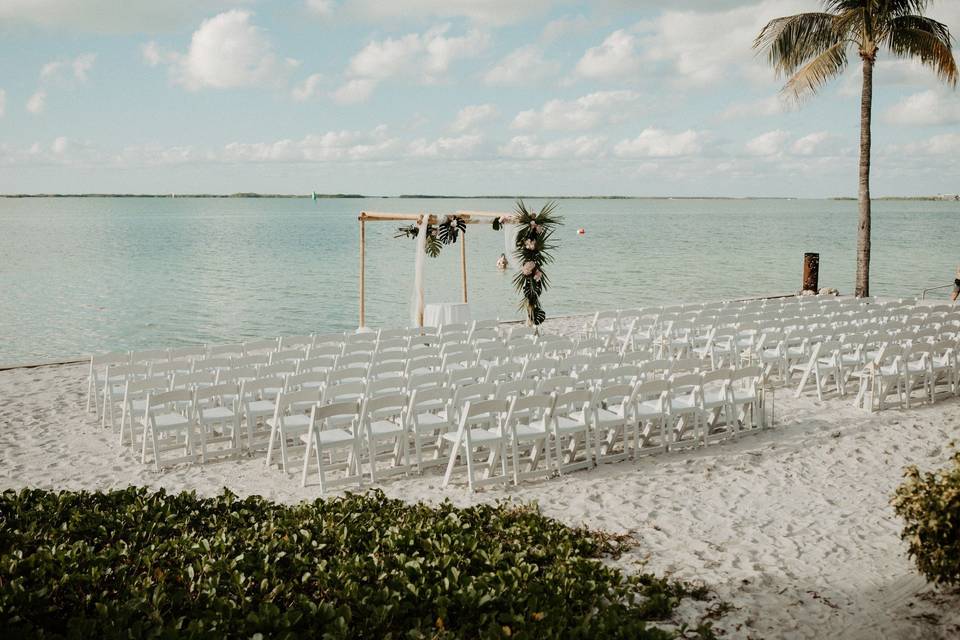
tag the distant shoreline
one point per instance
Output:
(357, 196)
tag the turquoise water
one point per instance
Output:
(79, 275)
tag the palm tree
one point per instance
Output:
(812, 48)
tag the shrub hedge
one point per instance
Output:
(134, 563)
(930, 506)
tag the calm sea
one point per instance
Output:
(81, 275)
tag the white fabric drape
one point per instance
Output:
(509, 237)
(416, 298)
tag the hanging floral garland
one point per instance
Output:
(533, 247)
(447, 232)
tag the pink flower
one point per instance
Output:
(528, 267)
(506, 219)
(533, 226)
(530, 245)
(537, 275)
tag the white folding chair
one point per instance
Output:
(289, 422)
(217, 417)
(613, 422)
(384, 433)
(427, 420)
(168, 424)
(529, 436)
(684, 410)
(650, 407)
(716, 401)
(478, 441)
(332, 437)
(135, 404)
(568, 422)
(258, 403)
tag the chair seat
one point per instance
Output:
(169, 421)
(215, 413)
(682, 404)
(744, 396)
(329, 436)
(478, 436)
(261, 407)
(649, 409)
(296, 421)
(430, 421)
(526, 431)
(385, 428)
(714, 397)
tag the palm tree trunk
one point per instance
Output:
(863, 228)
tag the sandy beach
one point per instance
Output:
(791, 527)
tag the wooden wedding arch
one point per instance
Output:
(469, 217)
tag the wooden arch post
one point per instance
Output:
(363, 246)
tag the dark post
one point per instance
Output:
(811, 272)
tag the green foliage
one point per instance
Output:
(533, 250)
(434, 243)
(133, 563)
(930, 506)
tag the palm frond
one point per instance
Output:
(898, 8)
(818, 71)
(926, 39)
(793, 40)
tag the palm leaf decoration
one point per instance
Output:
(450, 229)
(533, 249)
(432, 245)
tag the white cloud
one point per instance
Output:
(152, 54)
(943, 144)
(524, 65)
(767, 144)
(107, 16)
(493, 12)
(771, 106)
(60, 146)
(585, 112)
(326, 147)
(707, 47)
(322, 8)
(67, 69)
(472, 116)
(425, 57)
(927, 108)
(809, 144)
(456, 147)
(528, 147)
(227, 51)
(3, 102)
(657, 143)
(615, 57)
(308, 88)
(37, 102)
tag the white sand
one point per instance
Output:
(791, 526)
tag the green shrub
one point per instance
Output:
(133, 563)
(930, 505)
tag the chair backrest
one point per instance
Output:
(294, 401)
(330, 350)
(320, 415)
(216, 394)
(187, 353)
(719, 378)
(430, 397)
(260, 346)
(354, 360)
(539, 367)
(148, 355)
(328, 339)
(290, 342)
(193, 380)
(636, 357)
(212, 363)
(114, 357)
(685, 365)
(454, 327)
(556, 384)
(515, 388)
(176, 401)
(252, 389)
(376, 408)
(503, 372)
(685, 384)
(614, 394)
(392, 369)
(529, 407)
(237, 374)
(466, 376)
(623, 374)
(492, 355)
(306, 380)
(255, 360)
(423, 364)
(288, 355)
(566, 403)
(139, 388)
(121, 372)
(347, 390)
(656, 390)
(339, 375)
(216, 350)
(655, 369)
(318, 363)
(386, 386)
(481, 391)
(484, 408)
(426, 380)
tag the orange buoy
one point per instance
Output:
(580, 231)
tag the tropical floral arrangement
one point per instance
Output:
(533, 250)
(447, 232)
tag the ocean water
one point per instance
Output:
(82, 275)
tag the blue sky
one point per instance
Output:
(444, 96)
